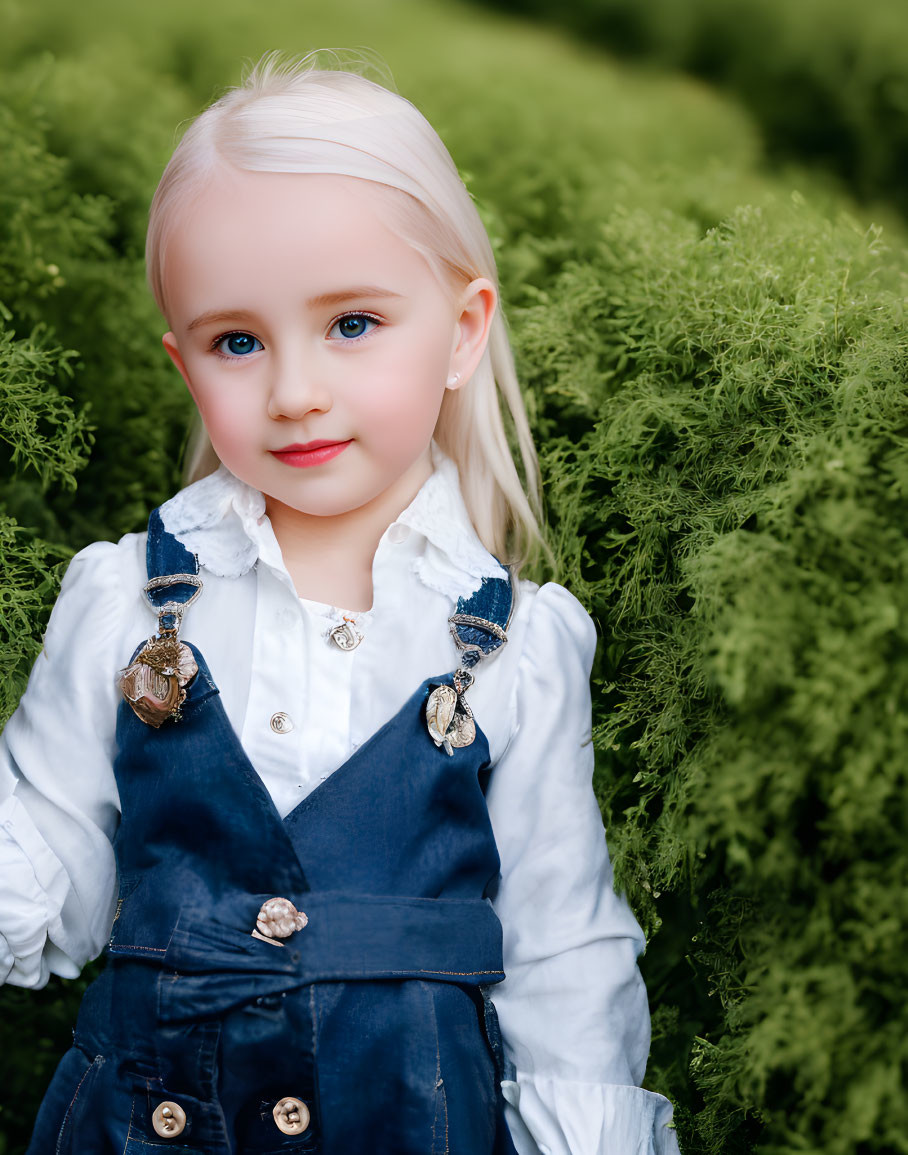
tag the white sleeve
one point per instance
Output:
(59, 805)
(573, 1007)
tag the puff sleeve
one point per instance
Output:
(58, 799)
(573, 1007)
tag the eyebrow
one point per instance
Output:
(356, 293)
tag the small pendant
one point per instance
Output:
(448, 715)
(344, 636)
(153, 683)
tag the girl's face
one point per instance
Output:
(316, 343)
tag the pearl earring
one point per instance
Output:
(452, 380)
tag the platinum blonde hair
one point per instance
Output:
(300, 117)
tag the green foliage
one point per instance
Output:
(733, 513)
(715, 370)
(71, 260)
(29, 579)
(42, 436)
(826, 80)
(36, 422)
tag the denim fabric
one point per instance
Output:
(376, 1014)
(492, 602)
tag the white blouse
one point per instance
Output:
(573, 1008)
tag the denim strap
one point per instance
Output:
(167, 561)
(479, 622)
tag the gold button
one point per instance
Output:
(168, 1120)
(281, 723)
(291, 1115)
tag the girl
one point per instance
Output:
(334, 818)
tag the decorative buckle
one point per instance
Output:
(449, 718)
(172, 610)
(154, 683)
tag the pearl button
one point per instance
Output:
(168, 1120)
(291, 1115)
(281, 723)
(279, 918)
(397, 533)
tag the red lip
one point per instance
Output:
(303, 455)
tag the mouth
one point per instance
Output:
(302, 456)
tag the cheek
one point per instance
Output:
(403, 416)
(405, 401)
(226, 418)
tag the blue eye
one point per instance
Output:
(354, 325)
(238, 344)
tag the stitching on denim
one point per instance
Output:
(96, 1062)
(439, 1080)
(433, 972)
(208, 1056)
(456, 974)
(418, 971)
(132, 1112)
(314, 1016)
(439, 1086)
(444, 1099)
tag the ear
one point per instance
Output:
(476, 305)
(169, 342)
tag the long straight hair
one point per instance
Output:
(296, 116)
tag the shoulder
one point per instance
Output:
(90, 635)
(542, 673)
(100, 589)
(106, 569)
(557, 643)
(105, 562)
(550, 624)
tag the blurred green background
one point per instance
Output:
(698, 213)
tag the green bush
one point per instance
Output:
(734, 517)
(70, 259)
(42, 441)
(826, 80)
(715, 371)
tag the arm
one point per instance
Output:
(58, 799)
(573, 1008)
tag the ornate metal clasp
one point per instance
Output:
(449, 718)
(448, 715)
(154, 682)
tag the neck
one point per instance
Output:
(329, 559)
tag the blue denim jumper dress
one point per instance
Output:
(367, 1032)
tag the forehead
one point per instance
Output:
(250, 233)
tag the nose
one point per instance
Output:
(296, 388)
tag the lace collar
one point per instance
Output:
(222, 520)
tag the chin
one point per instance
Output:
(331, 506)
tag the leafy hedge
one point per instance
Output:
(70, 261)
(826, 80)
(38, 431)
(715, 368)
(735, 517)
